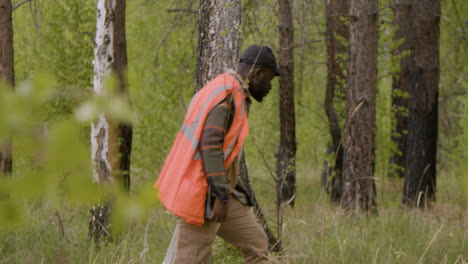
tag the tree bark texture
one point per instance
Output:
(7, 73)
(110, 140)
(420, 175)
(286, 164)
(337, 31)
(400, 89)
(219, 39)
(359, 193)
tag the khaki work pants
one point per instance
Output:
(240, 229)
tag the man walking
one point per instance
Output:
(199, 180)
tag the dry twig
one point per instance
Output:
(62, 229)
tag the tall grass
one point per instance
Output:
(314, 232)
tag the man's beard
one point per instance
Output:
(256, 90)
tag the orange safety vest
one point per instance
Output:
(182, 183)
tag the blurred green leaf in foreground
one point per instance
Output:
(55, 165)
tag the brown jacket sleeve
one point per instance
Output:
(211, 150)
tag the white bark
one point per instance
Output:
(102, 168)
(103, 60)
(103, 49)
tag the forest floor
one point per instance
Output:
(314, 231)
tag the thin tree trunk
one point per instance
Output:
(7, 73)
(219, 39)
(359, 191)
(400, 89)
(110, 140)
(337, 32)
(119, 67)
(420, 175)
(286, 163)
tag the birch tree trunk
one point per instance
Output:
(420, 175)
(337, 32)
(286, 164)
(400, 89)
(7, 73)
(110, 140)
(358, 165)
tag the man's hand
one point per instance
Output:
(219, 212)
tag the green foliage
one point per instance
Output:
(48, 119)
(314, 232)
(161, 77)
(107, 101)
(56, 160)
(57, 38)
(453, 99)
(56, 167)
(388, 65)
(259, 27)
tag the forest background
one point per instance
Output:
(45, 221)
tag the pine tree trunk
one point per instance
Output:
(119, 67)
(400, 90)
(110, 140)
(286, 164)
(420, 175)
(7, 73)
(337, 31)
(219, 39)
(358, 165)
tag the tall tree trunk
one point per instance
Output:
(218, 50)
(359, 191)
(286, 163)
(7, 73)
(219, 39)
(420, 175)
(110, 140)
(400, 89)
(337, 32)
(119, 67)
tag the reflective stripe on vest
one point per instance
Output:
(189, 131)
